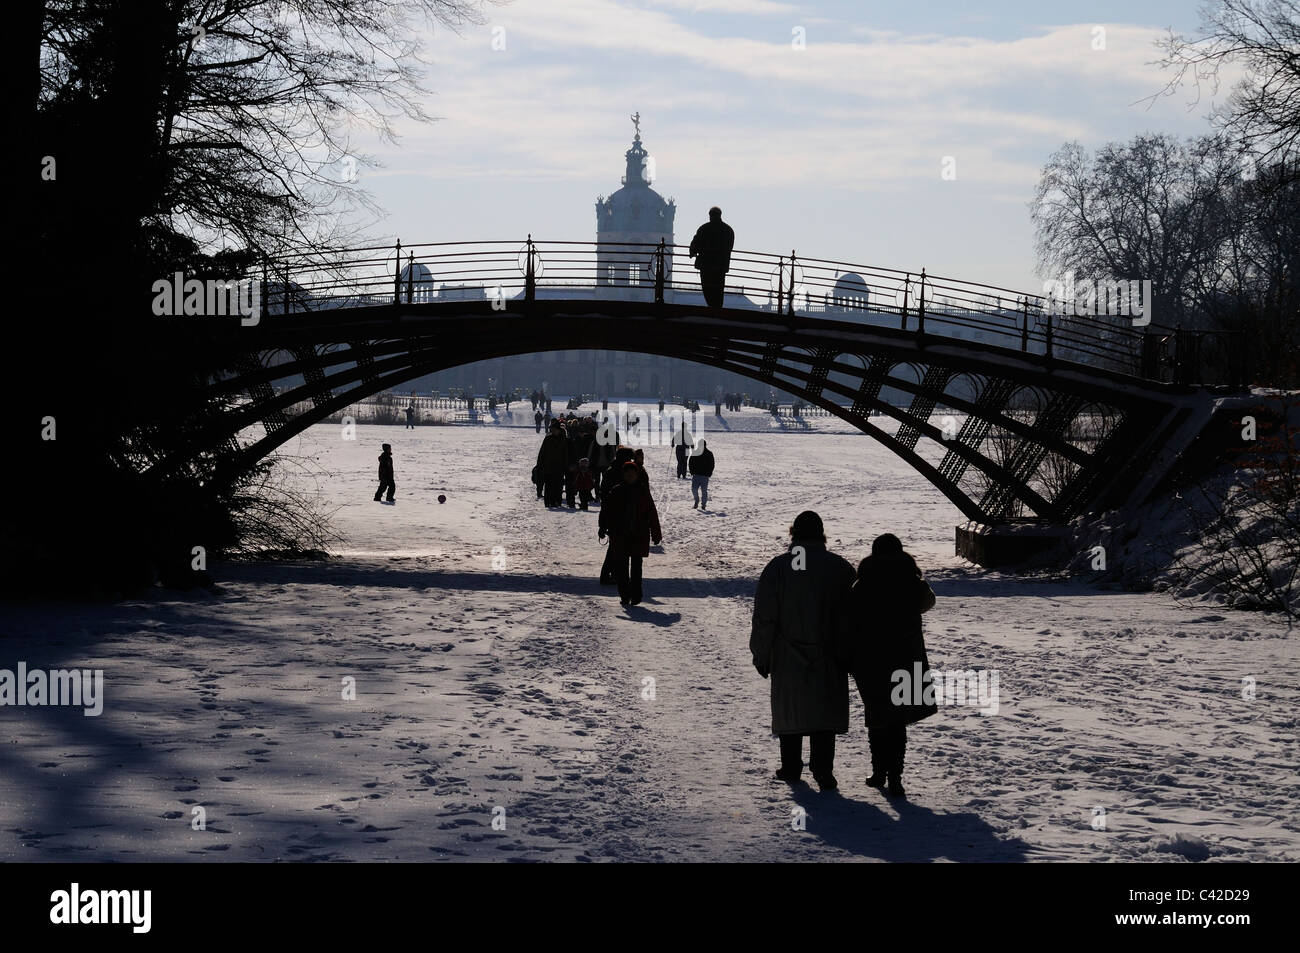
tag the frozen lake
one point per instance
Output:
(521, 692)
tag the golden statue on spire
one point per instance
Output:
(636, 121)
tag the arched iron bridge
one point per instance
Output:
(1042, 416)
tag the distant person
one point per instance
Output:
(711, 249)
(601, 455)
(577, 449)
(679, 447)
(386, 474)
(553, 463)
(537, 420)
(585, 483)
(639, 456)
(628, 517)
(410, 417)
(883, 636)
(798, 611)
(701, 467)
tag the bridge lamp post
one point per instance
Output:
(531, 267)
(920, 312)
(785, 290)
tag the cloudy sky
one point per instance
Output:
(835, 149)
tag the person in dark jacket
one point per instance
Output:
(886, 654)
(537, 421)
(711, 249)
(386, 474)
(577, 450)
(601, 456)
(585, 482)
(629, 518)
(679, 447)
(639, 456)
(701, 466)
(553, 463)
(797, 612)
(613, 479)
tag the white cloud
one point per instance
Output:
(753, 7)
(866, 112)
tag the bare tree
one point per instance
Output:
(1263, 36)
(238, 113)
(1151, 209)
(194, 136)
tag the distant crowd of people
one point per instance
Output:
(576, 467)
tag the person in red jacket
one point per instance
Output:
(628, 517)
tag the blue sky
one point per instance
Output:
(835, 149)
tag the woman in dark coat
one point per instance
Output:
(553, 463)
(886, 654)
(629, 518)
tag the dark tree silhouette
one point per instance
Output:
(170, 135)
(1219, 247)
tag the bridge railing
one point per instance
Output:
(502, 271)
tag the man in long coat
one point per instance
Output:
(553, 463)
(794, 638)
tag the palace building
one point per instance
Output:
(630, 223)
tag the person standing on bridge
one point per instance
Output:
(798, 611)
(711, 249)
(386, 475)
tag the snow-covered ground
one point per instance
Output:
(525, 687)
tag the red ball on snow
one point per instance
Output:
(441, 498)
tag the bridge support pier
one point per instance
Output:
(1008, 544)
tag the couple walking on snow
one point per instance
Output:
(815, 622)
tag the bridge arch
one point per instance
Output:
(335, 373)
(347, 336)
